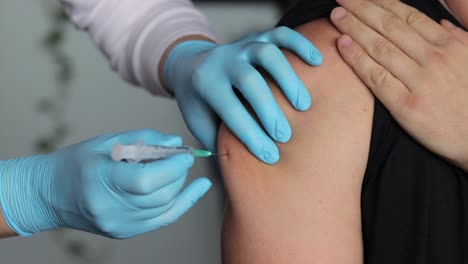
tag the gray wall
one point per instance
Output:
(101, 103)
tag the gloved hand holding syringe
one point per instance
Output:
(79, 187)
(146, 153)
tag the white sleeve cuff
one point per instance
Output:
(158, 36)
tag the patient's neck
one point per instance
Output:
(458, 8)
(445, 5)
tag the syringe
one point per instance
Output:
(148, 153)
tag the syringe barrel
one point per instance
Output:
(138, 153)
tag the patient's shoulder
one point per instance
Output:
(342, 105)
(305, 208)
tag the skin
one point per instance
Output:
(458, 8)
(5, 231)
(322, 166)
(429, 95)
(266, 220)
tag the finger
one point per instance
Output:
(201, 121)
(141, 214)
(142, 179)
(292, 40)
(184, 202)
(151, 213)
(240, 122)
(422, 24)
(459, 33)
(132, 223)
(254, 88)
(363, 15)
(388, 89)
(159, 198)
(273, 60)
(379, 48)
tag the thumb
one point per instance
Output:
(184, 202)
(201, 121)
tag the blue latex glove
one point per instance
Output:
(80, 187)
(202, 74)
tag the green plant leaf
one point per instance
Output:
(53, 38)
(61, 131)
(76, 248)
(44, 145)
(60, 16)
(45, 105)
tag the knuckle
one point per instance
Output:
(391, 23)
(362, 5)
(378, 76)
(142, 186)
(412, 104)
(358, 57)
(266, 50)
(106, 227)
(352, 27)
(415, 17)
(248, 80)
(448, 40)
(405, 110)
(436, 57)
(165, 197)
(390, 4)
(281, 31)
(198, 76)
(200, 81)
(93, 207)
(383, 47)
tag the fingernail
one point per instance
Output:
(206, 186)
(448, 24)
(316, 56)
(303, 102)
(338, 13)
(345, 41)
(282, 136)
(269, 152)
(203, 187)
(283, 132)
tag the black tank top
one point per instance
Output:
(414, 204)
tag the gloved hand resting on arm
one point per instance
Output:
(81, 187)
(202, 74)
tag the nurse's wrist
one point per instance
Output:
(25, 185)
(162, 63)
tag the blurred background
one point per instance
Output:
(57, 89)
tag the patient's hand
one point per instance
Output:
(305, 209)
(416, 67)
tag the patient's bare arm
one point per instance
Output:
(5, 230)
(305, 209)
